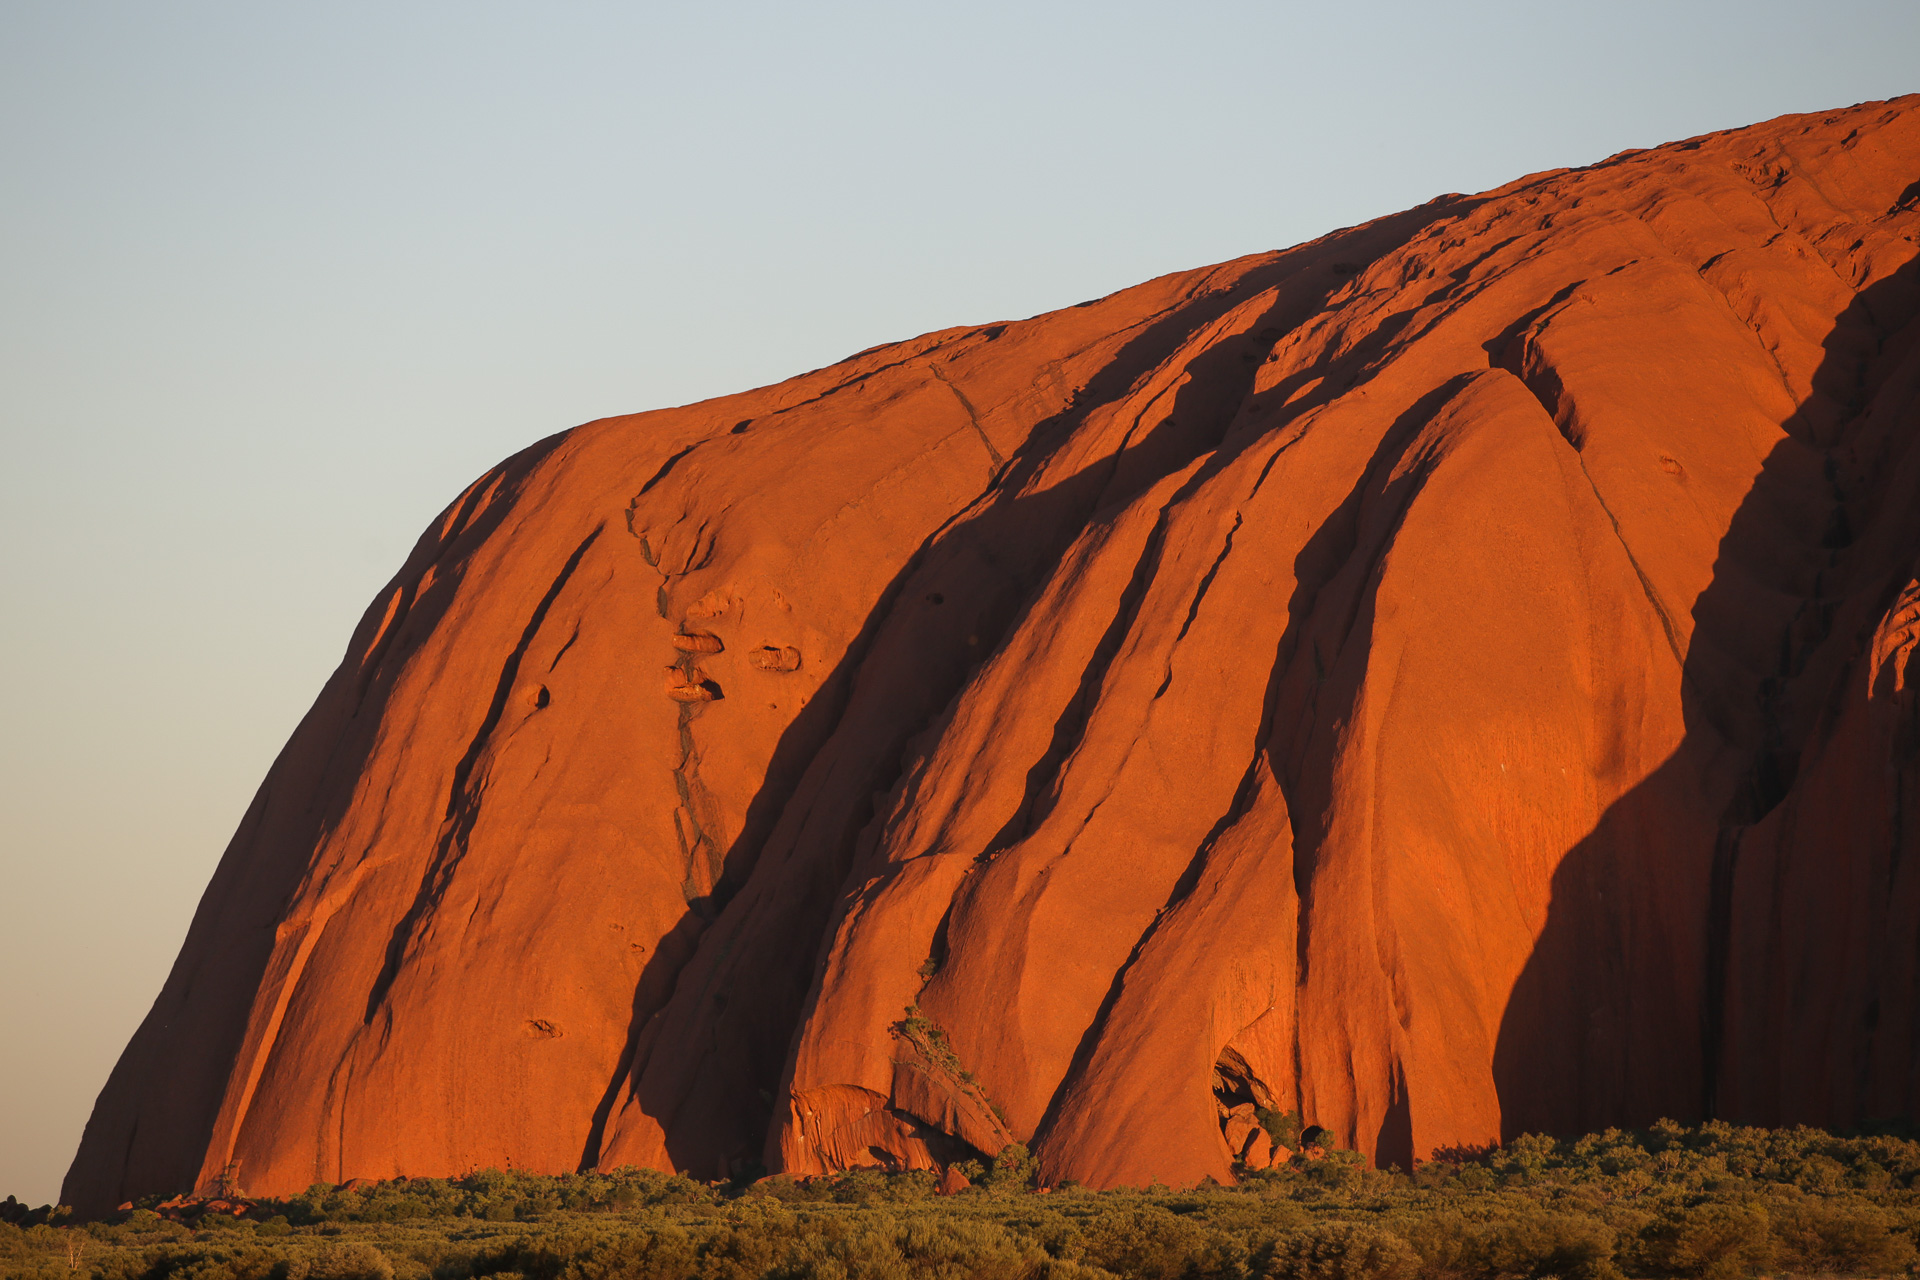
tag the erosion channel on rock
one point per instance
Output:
(1445, 680)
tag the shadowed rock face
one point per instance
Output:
(1449, 679)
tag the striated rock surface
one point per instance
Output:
(1448, 679)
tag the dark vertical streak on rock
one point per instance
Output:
(461, 807)
(660, 475)
(510, 671)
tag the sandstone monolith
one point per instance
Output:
(1449, 679)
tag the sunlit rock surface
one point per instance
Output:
(1449, 679)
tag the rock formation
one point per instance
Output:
(1449, 679)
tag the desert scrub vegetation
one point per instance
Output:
(1709, 1201)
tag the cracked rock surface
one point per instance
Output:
(1449, 679)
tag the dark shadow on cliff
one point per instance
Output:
(1618, 1017)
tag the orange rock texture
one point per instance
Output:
(1449, 679)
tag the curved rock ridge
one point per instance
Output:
(1449, 679)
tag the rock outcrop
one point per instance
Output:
(1449, 679)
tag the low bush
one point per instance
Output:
(1822, 1237)
(1343, 1251)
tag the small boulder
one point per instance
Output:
(1239, 1123)
(1258, 1153)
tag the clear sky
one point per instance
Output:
(277, 281)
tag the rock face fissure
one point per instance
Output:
(1444, 680)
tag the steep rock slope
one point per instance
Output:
(1449, 679)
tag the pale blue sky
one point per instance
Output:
(276, 281)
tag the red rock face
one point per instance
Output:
(1449, 679)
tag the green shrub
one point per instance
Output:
(1343, 1251)
(1282, 1126)
(1014, 1169)
(1337, 1170)
(340, 1262)
(1714, 1241)
(655, 1255)
(1817, 1237)
(1149, 1243)
(1532, 1243)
